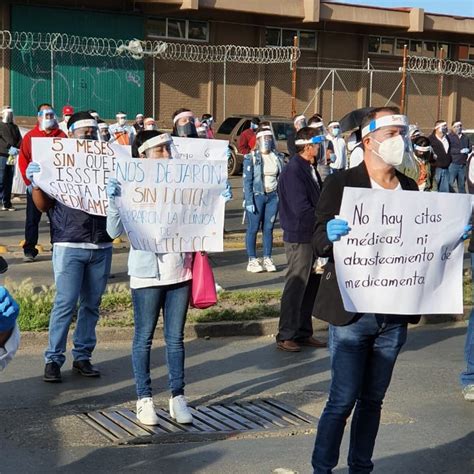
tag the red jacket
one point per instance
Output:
(244, 145)
(25, 158)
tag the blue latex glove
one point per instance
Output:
(332, 157)
(465, 150)
(466, 232)
(32, 168)
(250, 208)
(336, 228)
(9, 310)
(227, 193)
(113, 188)
(13, 151)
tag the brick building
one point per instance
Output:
(357, 42)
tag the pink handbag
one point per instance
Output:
(203, 287)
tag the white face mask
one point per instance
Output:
(391, 150)
(121, 121)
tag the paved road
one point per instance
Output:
(426, 426)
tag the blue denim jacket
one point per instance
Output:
(141, 263)
(253, 174)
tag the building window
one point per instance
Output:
(394, 47)
(284, 37)
(466, 52)
(171, 28)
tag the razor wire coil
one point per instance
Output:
(440, 66)
(138, 49)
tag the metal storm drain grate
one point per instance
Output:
(210, 422)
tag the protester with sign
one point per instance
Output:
(261, 171)
(82, 255)
(363, 347)
(10, 140)
(47, 126)
(441, 145)
(299, 188)
(120, 132)
(158, 281)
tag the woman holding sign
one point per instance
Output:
(158, 282)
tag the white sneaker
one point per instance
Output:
(219, 288)
(146, 413)
(254, 266)
(179, 410)
(468, 392)
(268, 264)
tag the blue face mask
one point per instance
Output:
(253, 126)
(336, 131)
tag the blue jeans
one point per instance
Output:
(6, 182)
(467, 376)
(147, 303)
(266, 210)
(442, 179)
(79, 274)
(363, 355)
(457, 174)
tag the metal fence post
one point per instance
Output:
(332, 93)
(52, 75)
(154, 91)
(225, 86)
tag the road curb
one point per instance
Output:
(266, 327)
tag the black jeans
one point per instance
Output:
(6, 182)
(301, 286)
(33, 217)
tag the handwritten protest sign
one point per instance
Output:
(201, 149)
(75, 172)
(172, 205)
(404, 253)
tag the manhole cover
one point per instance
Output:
(218, 421)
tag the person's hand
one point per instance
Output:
(250, 208)
(336, 228)
(113, 188)
(32, 168)
(9, 310)
(466, 232)
(13, 151)
(465, 150)
(227, 193)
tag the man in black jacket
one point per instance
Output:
(460, 149)
(363, 347)
(299, 188)
(442, 154)
(10, 140)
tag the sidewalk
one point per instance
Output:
(426, 426)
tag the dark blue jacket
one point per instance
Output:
(458, 143)
(298, 194)
(73, 225)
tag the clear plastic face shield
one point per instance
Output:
(202, 130)
(149, 124)
(265, 141)
(7, 115)
(185, 124)
(95, 115)
(442, 128)
(299, 122)
(334, 129)
(121, 119)
(104, 134)
(47, 119)
(393, 144)
(422, 153)
(314, 142)
(457, 128)
(413, 132)
(159, 148)
(319, 127)
(139, 119)
(84, 130)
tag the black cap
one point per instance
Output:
(79, 116)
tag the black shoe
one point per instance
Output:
(52, 372)
(85, 368)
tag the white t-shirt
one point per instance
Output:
(357, 157)
(270, 172)
(172, 267)
(340, 151)
(376, 185)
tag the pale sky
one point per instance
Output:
(457, 7)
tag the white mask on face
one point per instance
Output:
(391, 150)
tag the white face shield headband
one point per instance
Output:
(386, 121)
(163, 140)
(265, 142)
(311, 141)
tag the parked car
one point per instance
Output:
(231, 128)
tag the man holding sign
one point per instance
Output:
(82, 254)
(364, 345)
